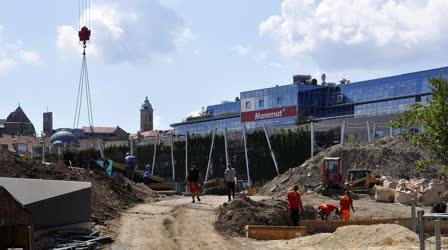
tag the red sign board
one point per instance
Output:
(266, 114)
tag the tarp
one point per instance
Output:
(107, 167)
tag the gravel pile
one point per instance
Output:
(110, 196)
(391, 157)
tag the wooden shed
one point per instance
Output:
(15, 223)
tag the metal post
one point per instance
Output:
(312, 139)
(421, 229)
(156, 142)
(172, 158)
(413, 217)
(43, 148)
(368, 132)
(390, 130)
(270, 148)
(245, 154)
(437, 233)
(342, 132)
(225, 147)
(374, 131)
(186, 155)
(131, 142)
(210, 154)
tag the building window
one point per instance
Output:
(248, 106)
(261, 103)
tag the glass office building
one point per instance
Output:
(286, 105)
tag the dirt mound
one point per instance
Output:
(388, 156)
(109, 195)
(234, 216)
(382, 236)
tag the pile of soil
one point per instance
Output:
(382, 236)
(110, 195)
(234, 216)
(389, 156)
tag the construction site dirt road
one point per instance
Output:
(176, 223)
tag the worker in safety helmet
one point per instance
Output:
(294, 205)
(327, 211)
(346, 203)
(130, 162)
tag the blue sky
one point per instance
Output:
(184, 54)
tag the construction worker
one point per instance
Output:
(294, 205)
(346, 202)
(147, 173)
(193, 178)
(229, 178)
(326, 211)
(130, 162)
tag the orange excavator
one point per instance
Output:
(332, 178)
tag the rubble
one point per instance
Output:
(109, 196)
(389, 156)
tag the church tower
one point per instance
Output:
(146, 116)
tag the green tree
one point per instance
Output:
(433, 118)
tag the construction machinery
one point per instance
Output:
(361, 180)
(332, 177)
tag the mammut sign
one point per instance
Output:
(266, 114)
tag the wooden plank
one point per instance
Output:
(260, 232)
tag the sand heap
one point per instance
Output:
(382, 236)
(110, 196)
(234, 216)
(391, 157)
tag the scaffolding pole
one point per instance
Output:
(172, 158)
(155, 152)
(247, 158)
(368, 132)
(312, 139)
(225, 147)
(186, 155)
(342, 132)
(374, 131)
(209, 163)
(270, 148)
(390, 129)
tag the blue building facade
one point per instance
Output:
(286, 105)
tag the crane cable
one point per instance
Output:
(84, 83)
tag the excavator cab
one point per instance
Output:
(332, 172)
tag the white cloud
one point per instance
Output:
(276, 65)
(156, 122)
(136, 31)
(261, 56)
(30, 56)
(368, 33)
(240, 50)
(12, 53)
(7, 65)
(194, 113)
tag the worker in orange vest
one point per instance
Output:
(294, 205)
(346, 202)
(326, 210)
